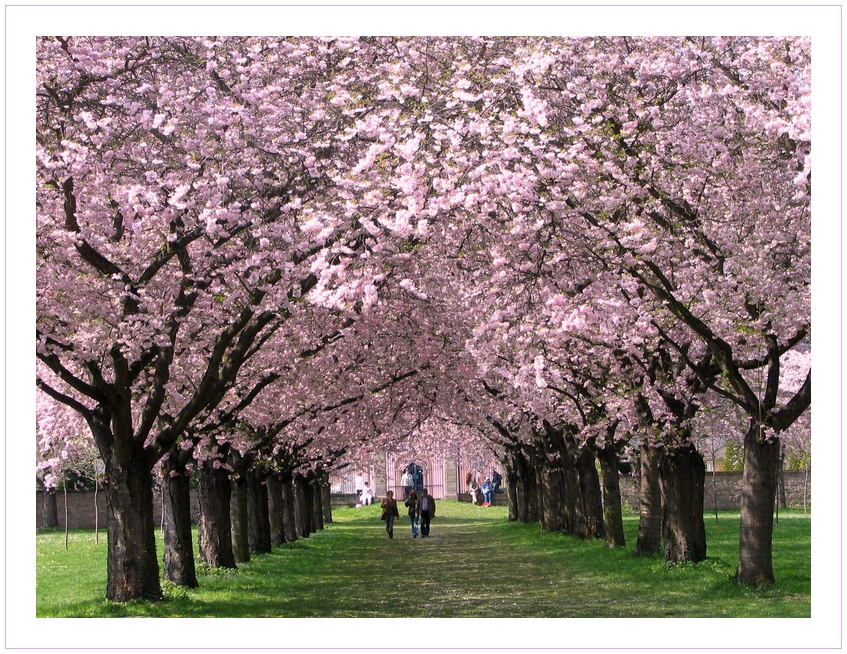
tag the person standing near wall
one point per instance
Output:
(473, 490)
(487, 490)
(406, 483)
(367, 495)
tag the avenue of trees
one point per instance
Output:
(263, 259)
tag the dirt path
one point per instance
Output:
(460, 571)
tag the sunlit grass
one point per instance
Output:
(476, 564)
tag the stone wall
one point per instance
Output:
(497, 499)
(81, 508)
(725, 487)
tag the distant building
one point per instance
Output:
(443, 477)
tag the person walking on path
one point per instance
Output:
(412, 503)
(389, 512)
(425, 511)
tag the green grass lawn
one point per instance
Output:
(476, 564)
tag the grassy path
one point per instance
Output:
(476, 564)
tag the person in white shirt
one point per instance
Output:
(473, 489)
(367, 495)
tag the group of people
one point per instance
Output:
(421, 507)
(488, 488)
(421, 510)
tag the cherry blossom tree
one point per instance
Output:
(179, 219)
(680, 165)
(269, 255)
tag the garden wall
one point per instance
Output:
(725, 485)
(81, 508)
(81, 505)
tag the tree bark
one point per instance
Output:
(238, 516)
(526, 488)
(215, 525)
(133, 567)
(758, 494)
(511, 479)
(552, 487)
(176, 520)
(682, 475)
(257, 509)
(326, 498)
(572, 509)
(649, 539)
(50, 508)
(612, 512)
(592, 502)
(289, 521)
(520, 486)
(275, 508)
(302, 510)
(315, 496)
(552, 512)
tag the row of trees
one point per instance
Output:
(287, 254)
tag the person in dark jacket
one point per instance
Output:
(389, 512)
(425, 511)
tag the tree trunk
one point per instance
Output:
(275, 508)
(592, 502)
(50, 508)
(650, 500)
(520, 487)
(572, 509)
(238, 516)
(551, 485)
(315, 500)
(133, 567)
(511, 487)
(551, 481)
(302, 510)
(257, 508)
(758, 493)
(176, 524)
(612, 512)
(289, 521)
(682, 475)
(526, 489)
(326, 498)
(215, 525)
(533, 493)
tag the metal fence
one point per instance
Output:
(400, 492)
